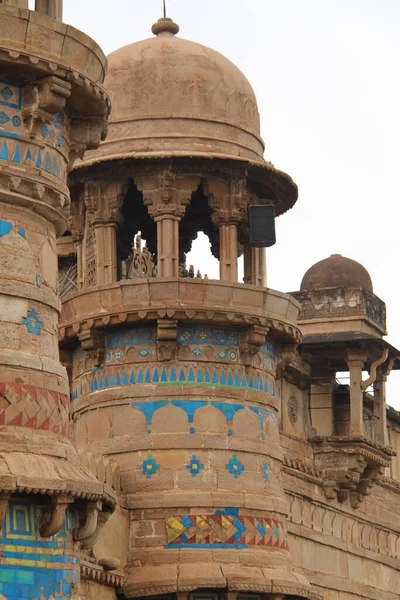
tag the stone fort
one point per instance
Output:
(164, 435)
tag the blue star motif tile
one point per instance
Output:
(197, 351)
(16, 121)
(150, 467)
(222, 354)
(235, 467)
(32, 322)
(265, 470)
(195, 466)
(232, 355)
(143, 352)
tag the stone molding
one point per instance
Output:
(144, 300)
(92, 571)
(342, 526)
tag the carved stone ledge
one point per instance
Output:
(93, 571)
(297, 468)
(351, 466)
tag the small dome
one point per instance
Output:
(171, 96)
(336, 271)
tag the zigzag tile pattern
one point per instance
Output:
(34, 408)
(106, 378)
(224, 529)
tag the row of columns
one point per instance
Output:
(51, 8)
(104, 203)
(168, 253)
(356, 364)
(322, 408)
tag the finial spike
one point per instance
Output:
(165, 9)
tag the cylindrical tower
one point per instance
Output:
(52, 107)
(175, 377)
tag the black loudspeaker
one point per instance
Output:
(262, 226)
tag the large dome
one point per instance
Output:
(171, 96)
(336, 271)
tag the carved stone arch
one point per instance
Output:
(198, 217)
(135, 218)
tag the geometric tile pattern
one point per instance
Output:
(31, 567)
(235, 467)
(191, 406)
(131, 337)
(34, 408)
(208, 335)
(109, 377)
(224, 529)
(195, 466)
(23, 154)
(150, 467)
(32, 322)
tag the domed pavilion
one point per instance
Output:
(175, 377)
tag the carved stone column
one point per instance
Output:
(51, 8)
(381, 432)
(166, 195)
(255, 266)
(321, 402)
(228, 199)
(103, 204)
(355, 362)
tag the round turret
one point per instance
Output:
(336, 271)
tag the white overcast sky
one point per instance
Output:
(326, 76)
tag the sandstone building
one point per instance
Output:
(163, 434)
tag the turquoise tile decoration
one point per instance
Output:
(235, 467)
(150, 467)
(32, 567)
(195, 466)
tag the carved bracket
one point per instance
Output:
(53, 516)
(286, 356)
(93, 342)
(102, 518)
(251, 342)
(4, 498)
(167, 339)
(87, 522)
(42, 99)
(351, 467)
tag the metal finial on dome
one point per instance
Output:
(165, 26)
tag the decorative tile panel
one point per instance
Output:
(131, 337)
(34, 408)
(208, 335)
(195, 375)
(33, 567)
(224, 529)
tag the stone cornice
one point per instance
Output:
(144, 300)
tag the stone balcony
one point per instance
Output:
(141, 300)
